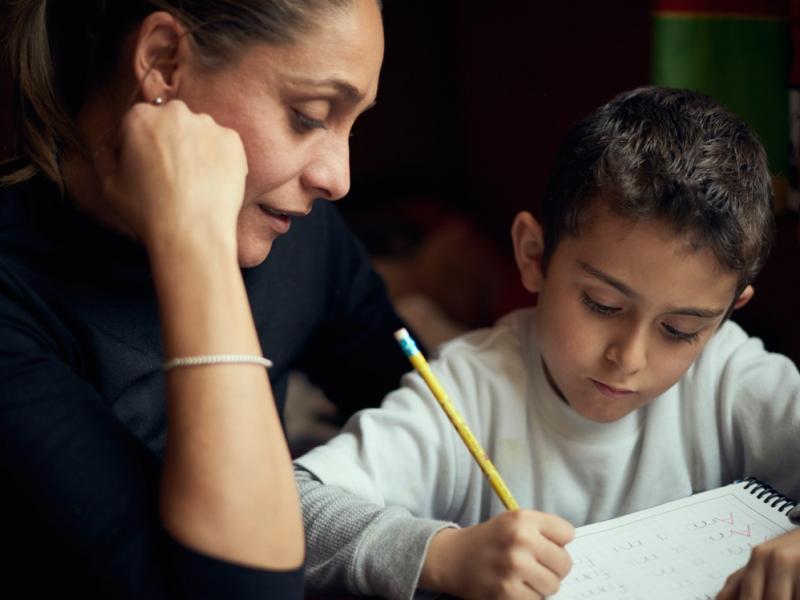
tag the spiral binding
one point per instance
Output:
(769, 495)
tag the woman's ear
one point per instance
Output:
(744, 297)
(160, 49)
(526, 234)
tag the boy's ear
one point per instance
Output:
(528, 239)
(159, 51)
(744, 297)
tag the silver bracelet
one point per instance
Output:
(216, 359)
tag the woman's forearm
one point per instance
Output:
(227, 488)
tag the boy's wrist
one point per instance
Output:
(439, 561)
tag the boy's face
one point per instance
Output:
(623, 310)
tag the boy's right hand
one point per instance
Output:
(515, 555)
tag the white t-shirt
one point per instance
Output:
(736, 412)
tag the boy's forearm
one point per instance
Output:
(361, 546)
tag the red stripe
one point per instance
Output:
(756, 8)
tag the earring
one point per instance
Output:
(158, 100)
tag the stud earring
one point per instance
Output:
(158, 100)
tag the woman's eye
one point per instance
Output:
(678, 335)
(598, 308)
(304, 123)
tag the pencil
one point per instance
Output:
(410, 349)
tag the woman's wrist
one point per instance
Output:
(207, 244)
(202, 300)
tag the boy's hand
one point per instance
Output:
(772, 573)
(515, 555)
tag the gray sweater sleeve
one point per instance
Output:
(359, 546)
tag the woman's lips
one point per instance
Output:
(611, 391)
(280, 223)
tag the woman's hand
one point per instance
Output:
(171, 172)
(515, 555)
(772, 573)
(177, 179)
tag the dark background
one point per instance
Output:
(475, 98)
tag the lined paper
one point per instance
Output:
(682, 550)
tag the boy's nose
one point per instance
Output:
(328, 172)
(629, 350)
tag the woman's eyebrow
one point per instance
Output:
(703, 313)
(347, 92)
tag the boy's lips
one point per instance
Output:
(610, 390)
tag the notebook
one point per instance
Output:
(684, 549)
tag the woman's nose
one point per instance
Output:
(328, 172)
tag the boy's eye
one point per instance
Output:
(598, 308)
(303, 123)
(680, 336)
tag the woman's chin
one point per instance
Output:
(253, 254)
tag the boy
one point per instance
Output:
(625, 387)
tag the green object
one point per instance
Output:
(741, 61)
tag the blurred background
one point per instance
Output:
(475, 98)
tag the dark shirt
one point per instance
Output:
(82, 406)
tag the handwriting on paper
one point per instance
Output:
(684, 553)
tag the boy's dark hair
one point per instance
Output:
(673, 155)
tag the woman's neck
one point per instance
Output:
(97, 124)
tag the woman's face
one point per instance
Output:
(294, 106)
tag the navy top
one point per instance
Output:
(82, 406)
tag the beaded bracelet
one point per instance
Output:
(216, 359)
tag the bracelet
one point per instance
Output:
(216, 359)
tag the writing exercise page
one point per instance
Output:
(683, 550)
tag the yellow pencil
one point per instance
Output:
(410, 349)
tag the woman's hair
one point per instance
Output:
(58, 52)
(673, 155)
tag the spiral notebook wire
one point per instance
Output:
(769, 495)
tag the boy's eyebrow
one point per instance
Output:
(615, 283)
(704, 313)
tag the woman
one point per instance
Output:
(162, 146)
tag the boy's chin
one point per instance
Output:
(602, 412)
(604, 418)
